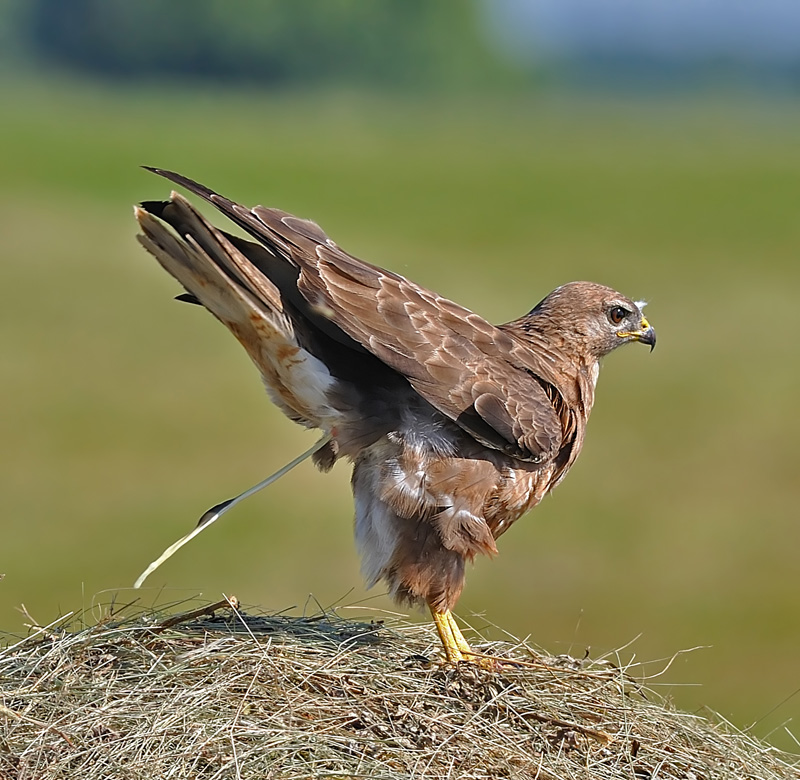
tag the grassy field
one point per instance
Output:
(125, 414)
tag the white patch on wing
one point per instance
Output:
(296, 381)
(303, 381)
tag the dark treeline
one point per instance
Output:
(273, 42)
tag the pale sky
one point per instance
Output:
(756, 30)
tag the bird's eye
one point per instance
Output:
(617, 313)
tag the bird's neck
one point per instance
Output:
(557, 357)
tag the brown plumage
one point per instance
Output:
(455, 427)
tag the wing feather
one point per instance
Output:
(461, 364)
(456, 360)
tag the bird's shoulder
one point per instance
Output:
(463, 365)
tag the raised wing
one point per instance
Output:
(457, 361)
(452, 357)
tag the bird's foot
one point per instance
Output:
(457, 649)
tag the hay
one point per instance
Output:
(235, 695)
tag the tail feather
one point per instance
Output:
(238, 214)
(207, 264)
(218, 275)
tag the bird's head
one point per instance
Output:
(596, 318)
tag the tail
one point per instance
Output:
(243, 216)
(211, 269)
(216, 273)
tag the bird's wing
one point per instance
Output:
(456, 360)
(453, 358)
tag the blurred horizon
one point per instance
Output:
(421, 144)
(749, 45)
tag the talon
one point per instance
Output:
(453, 641)
(456, 647)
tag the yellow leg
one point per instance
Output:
(444, 628)
(456, 647)
(462, 643)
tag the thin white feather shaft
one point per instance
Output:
(214, 514)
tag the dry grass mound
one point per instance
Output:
(218, 693)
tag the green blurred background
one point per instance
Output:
(417, 145)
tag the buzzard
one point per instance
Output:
(455, 427)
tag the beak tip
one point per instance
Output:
(648, 336)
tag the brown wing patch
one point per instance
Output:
(451, 356)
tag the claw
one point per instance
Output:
(456, 647)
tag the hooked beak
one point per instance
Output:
(645, 334)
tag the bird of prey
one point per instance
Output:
(455, 427)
